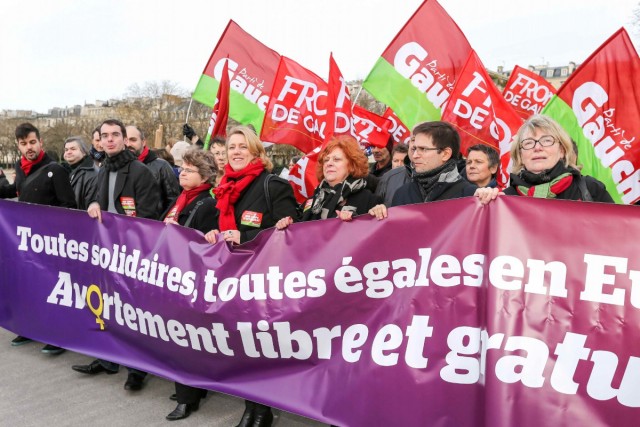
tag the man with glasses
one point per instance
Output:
(126, 187)
(433, 153)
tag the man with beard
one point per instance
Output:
(83, 171)
(39, 180)
(382, 157)
(161, 169)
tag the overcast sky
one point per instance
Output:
(65, 52)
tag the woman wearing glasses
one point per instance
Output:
(194, 208)
(544, 166)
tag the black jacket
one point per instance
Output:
(410, 193)
(362, 200)
(253, 200)
(206, 216)
(391, 181)
(47, 184)
(165, 177)
(134, 181)
(83, 181)
(596, 189)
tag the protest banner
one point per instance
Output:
(527, 92)
(253, 67)
(462, 314)
(482, 115)
(220, 111)
(599, 106)
(297, 110)
(416, 73)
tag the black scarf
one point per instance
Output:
(328, 199)
(96, 155)
(427, 180)
(120, 160)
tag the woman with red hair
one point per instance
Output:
(342, 168)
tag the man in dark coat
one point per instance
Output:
(161, 169)
(39, 180)
(433, 153)
(83, 171)
(126, 187)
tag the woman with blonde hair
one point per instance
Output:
(250, 199)
(544, 166)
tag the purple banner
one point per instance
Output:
(524, 312)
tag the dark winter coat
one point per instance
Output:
(47, 184)
(410, 193)
(83, 182)
(391, 181)
(134, 181)
(596, 189)
(166, 179)
(206, 215)
(362, 200)
(253, 201)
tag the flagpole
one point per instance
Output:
(357, 96)
(188, 113)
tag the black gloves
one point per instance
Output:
(188, 131)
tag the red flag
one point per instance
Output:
(481, 114)
(527, 91)
(599, 105)
(398, 130)
(370, 128)
(297, 110)
(252, 68)
(220, 112)
(417, 71)
(339, 119)
(302, 176)
(366, 127)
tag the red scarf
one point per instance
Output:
(186, 197)
(26, 164)
(230, 188)
(143, 155)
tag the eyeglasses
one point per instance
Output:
(422, 150)
(187, 170)
(544, 141)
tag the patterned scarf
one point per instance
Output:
(328, 198)
(26, 164)
(184, 199)
(96, 155)
(546, 184)
(120, 160)
(427, 180)
(230, 189)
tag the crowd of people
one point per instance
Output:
(229, 193)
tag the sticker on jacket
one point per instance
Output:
(252, 219)
(129, 205)
(308, 205)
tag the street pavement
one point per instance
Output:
(42, 390)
